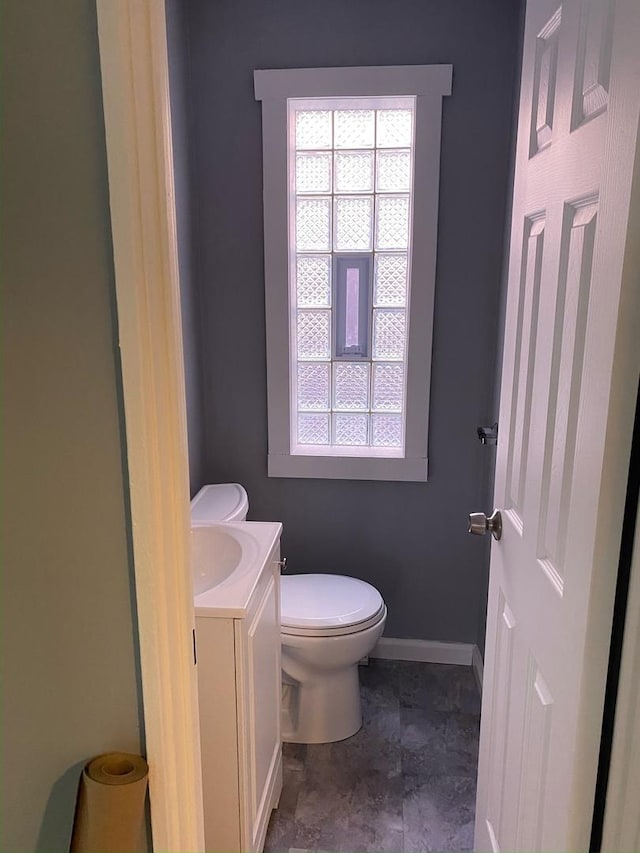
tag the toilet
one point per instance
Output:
(328, 624)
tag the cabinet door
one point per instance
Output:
(218, 733)
(259, 691)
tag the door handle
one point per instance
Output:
(479, 524)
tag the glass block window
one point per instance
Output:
(351, 186)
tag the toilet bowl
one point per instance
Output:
(328, 624)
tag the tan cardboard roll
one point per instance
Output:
(110, 809)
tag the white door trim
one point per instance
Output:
(621, 829)
(133, 58)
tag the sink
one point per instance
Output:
(239, 675)
(215, 555)
(226, 561)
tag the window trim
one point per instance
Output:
(428, 84)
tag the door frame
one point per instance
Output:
(135, 85)
(135, 88)
(621, 828)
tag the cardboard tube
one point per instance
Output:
(110, 809)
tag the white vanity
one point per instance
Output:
(237, 603)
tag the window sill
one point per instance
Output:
(348, 467)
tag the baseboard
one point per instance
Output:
(478, 667)
(427, 651)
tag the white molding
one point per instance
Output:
(133, 59)
(426, 651)
(427, 84)
(477, 663)
(360, 81)
(347, 467)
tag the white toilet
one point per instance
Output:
(328, 623)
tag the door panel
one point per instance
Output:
(535, 759)
(593, 62)
(572, 301)
(526, 333)
(502, 689)
(544, 84)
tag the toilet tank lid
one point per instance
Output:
(325, 601)
(219, 502)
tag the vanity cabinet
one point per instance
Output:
(239, 687)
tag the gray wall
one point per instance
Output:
(501, 311)
(177, 46)
(409, 539)
(69, 646)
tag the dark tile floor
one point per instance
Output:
(405, 783)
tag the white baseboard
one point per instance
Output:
(478, 667)
(427, 651)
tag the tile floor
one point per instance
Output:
(405, 783)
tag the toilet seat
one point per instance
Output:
(338, 631)
(318, 605)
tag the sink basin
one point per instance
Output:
(226, 561)
(215, 555)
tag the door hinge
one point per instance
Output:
(488, 434)
(195, 656)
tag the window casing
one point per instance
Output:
(351, 168)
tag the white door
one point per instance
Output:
(570, 375)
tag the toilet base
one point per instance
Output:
(322, 711)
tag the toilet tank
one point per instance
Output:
(220, 502)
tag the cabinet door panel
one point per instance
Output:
(264, 684)
(218, 733)
(260, 681)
